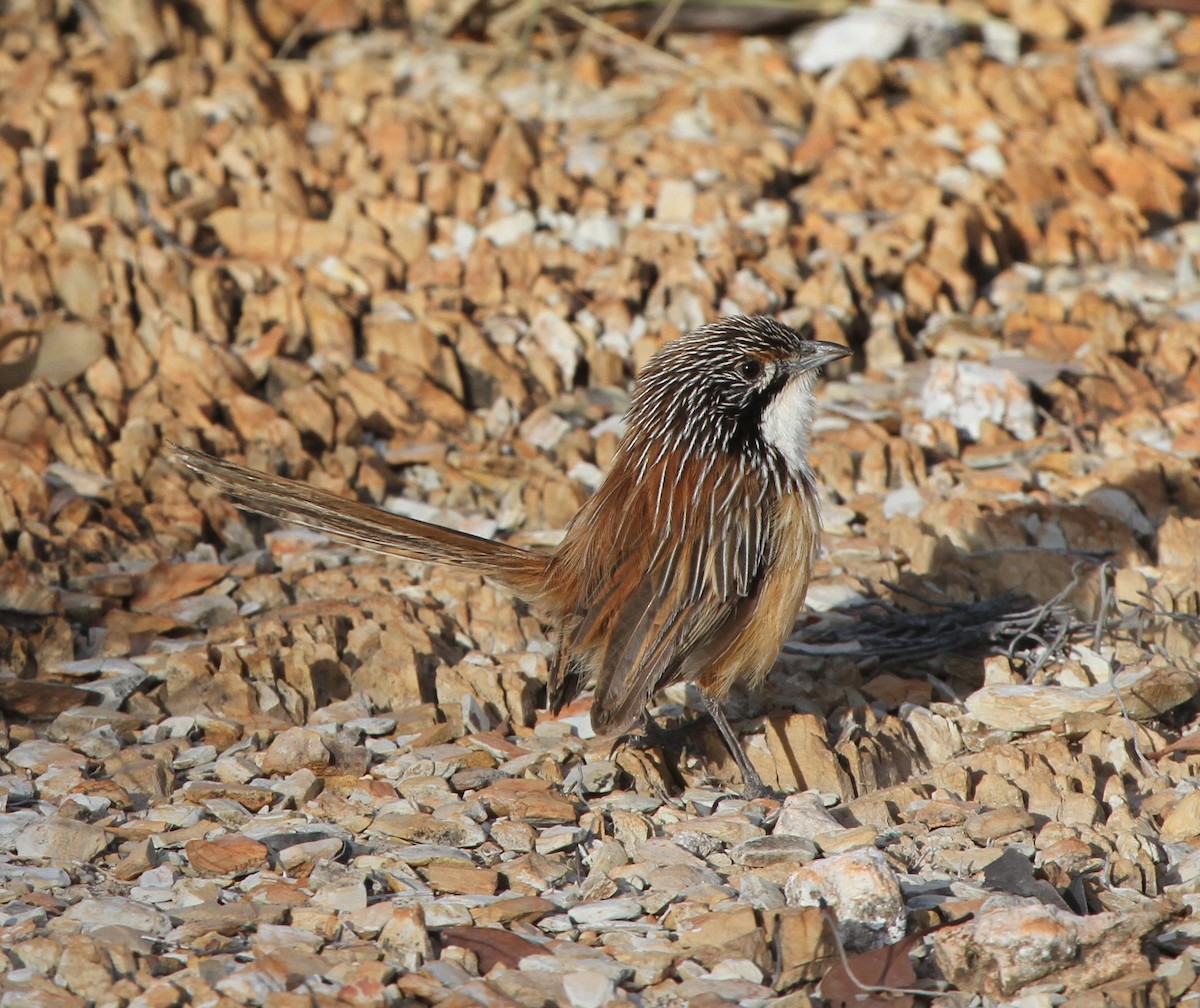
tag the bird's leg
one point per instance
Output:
(754, 786)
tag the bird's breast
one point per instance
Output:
(766, 619)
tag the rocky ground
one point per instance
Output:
(241, 764)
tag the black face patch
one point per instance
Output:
(744, 415)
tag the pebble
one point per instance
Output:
(194, 757)
(295, 855)
(595, 232)
(599, 777)
(16, 790)
(420, 854)
(865, 34)
(344, 894)
(99, 743)
(39, 756)
(995, 823)
(425, 829)
(510, 229)
(298, 788)
(1001, 40)
(777, 849)
(760, 893)
(804, 815)
(558, 838)
(588, 988)
(13, 824)
(294, 749)
(846, 839)
(737, 969)
(1019, 942)
(34, 876)
(988, 160)
(373, 726)
(196, 611)
(604, 911)
(517, 837)
(443, 913)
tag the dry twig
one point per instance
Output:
(892, 635)
(603, 29)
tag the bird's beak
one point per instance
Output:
(817, 353)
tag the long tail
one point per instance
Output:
(520, 571)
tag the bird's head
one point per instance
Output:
(743, 386)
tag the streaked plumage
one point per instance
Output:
(691, 560)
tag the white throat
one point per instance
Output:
(787, 421)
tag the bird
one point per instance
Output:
(691, 560)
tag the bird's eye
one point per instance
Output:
(750, 369)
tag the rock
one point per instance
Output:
(588, 988)
(404, 939)
(604, 911)
(62, 840)
(144, 777)
(420, 855)
(1010, 946)
(39, 756)
(968, 394)
(846, 839)
(295, 749)
(599, 777)
(118, 911)
(866, 34)
(676, 201)
(1146, 692)
(35, 877)
(78, 723)
(324, 776)
(233, 854)
(778, 849)
(292, 857)
(995, 823)
(760, 893)
(802, 757)
(427, 829)
(863, 892)
(804, 815)
(12, 825)
(528, 799)
(298, 788)
(1182, 823)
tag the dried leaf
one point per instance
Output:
(40, 701)
(883, 976)
(61, 351)
(1189, 743)
(491, 945)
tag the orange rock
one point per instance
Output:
(233, 854)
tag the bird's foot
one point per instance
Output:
(752, 784)
(753, 788)
(651, 735)
(648, 735)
